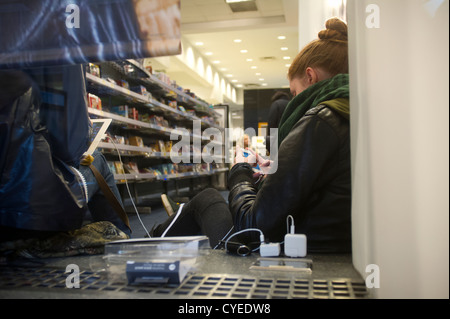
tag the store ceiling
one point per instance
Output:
(212, 27)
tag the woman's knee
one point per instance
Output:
(209, 196)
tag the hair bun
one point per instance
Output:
(336, 29)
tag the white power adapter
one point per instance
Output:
(294, 244)
(269, 250)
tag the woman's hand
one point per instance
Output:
(245, 156)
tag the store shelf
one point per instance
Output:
(152, 104)
(140, 124)
(151, 78)
(144, 113)
(166, 177)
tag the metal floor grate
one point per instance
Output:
(194, 286)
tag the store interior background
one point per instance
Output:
(399, 114)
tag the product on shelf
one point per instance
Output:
(133, 113)
(128, 69)
(168, 146)
(131, 168)
(119, 139)
(94, 101)
(144, 118)
(140, 89)
(136, 141)
(121, 110)
(111, 166)
(191, 112)
(163, 77)
(119, 167)
(158, 120)
(124, 84)
(162, 147)
(172, 104)
(93, 69)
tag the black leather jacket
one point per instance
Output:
(312, 183)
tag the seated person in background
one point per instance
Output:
(312, 181)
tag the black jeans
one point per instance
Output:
(207, 214)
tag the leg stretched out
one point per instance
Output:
(205, 214)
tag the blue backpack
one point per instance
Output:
(42, 139)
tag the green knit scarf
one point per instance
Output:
(333, 92)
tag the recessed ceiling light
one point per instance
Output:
(281, 37)
(287, 57)
(253, 67)
(261, 79)
(199, 43)
(234, 1)
(223, 69)
(264, 84)
(258, 73)
(234, 81)
(249, 60)
(284, 49)
(216, 62)
(237, 40)
(229, 75)
(244, 51)
(239, 85)
(208, 53)
(287, 65)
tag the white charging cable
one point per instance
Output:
(261, 236)
(129, 193)
(292, 231)
(218, 244)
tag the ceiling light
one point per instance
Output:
(258, 73)
(287, 57)
(239, 85)
(261, 79)
(234, 1)
(199, 43)
(237, 40)
(249, 60)
(244, 51)
(284, 49)
(229, 75)
(287, 65)
(281, 37)
(216, 62)
(208, 53)
(223, 69)
(253, 67)
(234, 81)
(264, 84)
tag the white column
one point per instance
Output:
(399, 77)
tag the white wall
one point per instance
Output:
(399, 75)
(312, 15)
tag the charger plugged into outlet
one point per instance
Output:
(294, 244)
(269, 250)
